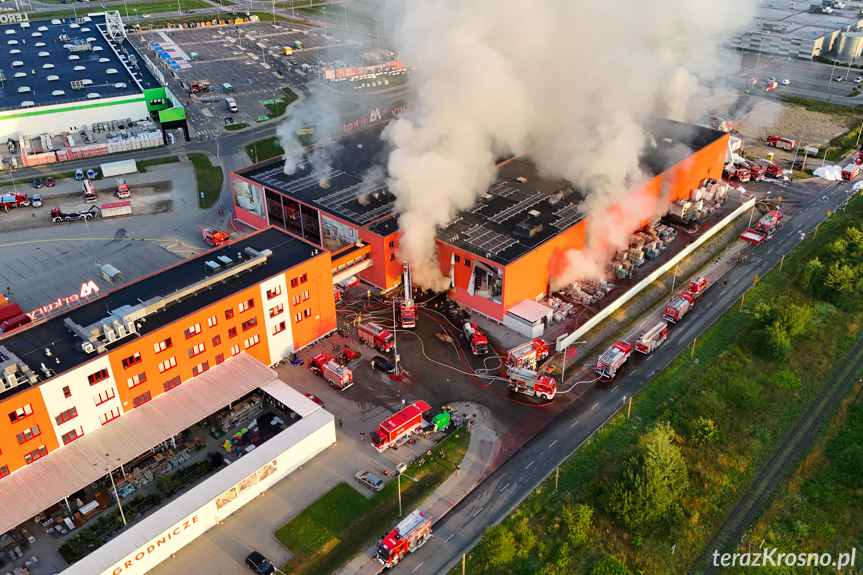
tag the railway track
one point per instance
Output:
(782, 459)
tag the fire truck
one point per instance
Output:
(199, 86)
(325, 366)
(850, 171)
(406, 537)
(697, 286)
(613, 359)
(652, 338)
(771, 170)
(781, 143)
(756, 171)
(90, 196)
(375, 336)
(721, 124)
(215, 238)
(528, 382)
(764, 229)
(396, 430)
(408, 307)
(527, 355)
(737, 173)
(476, 338)
(16, 200)
(122, 189)
(678, 307)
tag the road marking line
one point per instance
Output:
(710, 304)
(418, 566)
(504, 487)
(450, 537)
(594, 406)
(529, 464)
(633, 373)
(573, 425)
(552, 444)
(649, 357)
(478, 511)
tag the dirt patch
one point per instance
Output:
(770, 117)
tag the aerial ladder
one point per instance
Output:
(408, 306)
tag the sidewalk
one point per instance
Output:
(454, 489)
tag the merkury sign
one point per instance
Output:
(14, 18)
(376, 115)
(87, 289)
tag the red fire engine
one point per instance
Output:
(90, 196)
(339, 376)
(850, 171)
(396, 430)
(652, 338)
(771, 170)
(764, 229)
(408, 307)
(527, 354)
(406, 537)
(678, 307)
(781, 143)
(215, 238)
(477, 339)
(528, 382)
(375, 336)
(613, 359)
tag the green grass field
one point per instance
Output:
(751, 399)
(209, 178)
(235, 127)
(341, 524)
(154, 7)
(264, 149)
(278, 108)
(144, 164)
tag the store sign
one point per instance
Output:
(155, 544)
(14, 18)
(87, 289)
(376, 115)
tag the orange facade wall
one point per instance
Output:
(321, 306)
(386, 268)
(11, 452)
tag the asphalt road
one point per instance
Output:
(506, 487)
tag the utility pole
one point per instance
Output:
(674, 278)
(741, 301)
(395, 340)
(629, 409)
(556, 477)
(781, 262)
(691, 355)
(463, 555)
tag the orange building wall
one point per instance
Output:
(462, 274)
(11, 453)
(322, 305)
(383, 273)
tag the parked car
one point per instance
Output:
(37, 183)
(371, 480)
(383, 364)
(315, 399)
(91, 174)
(858, 79)
(36, 201)
(79, 174)
(49, 181)
(786, 81)
(838, 78)
(259, 564)
(771, 80)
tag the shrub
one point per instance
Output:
(610, 566)
(785, 379)
(497, 546)
(578, 520)
(703, 431)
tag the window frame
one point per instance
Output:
(249, 323)
(274, 292)
(229, 313)
(24, 408)
(102, 372)
(22, 436)
(133, 359)
(167, 342)
(232, 332)
(281, 309)
(167, 387)
(280, 327)
(148, 397)
(197, 349)
(61, 419)
(113, 395)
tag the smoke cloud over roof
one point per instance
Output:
(569, 84)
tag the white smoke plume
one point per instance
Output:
(320, 115)
(570, 84)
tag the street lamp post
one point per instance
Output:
(399, 480)
(563, 368)
(395, 340)
(325, 21)
(114, 485)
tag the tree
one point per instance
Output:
(785, 379)
(704, 431)
(841, 277)
(776, 343)
(610, 566)
(497, 547)
(525, 538)
(651, 480)
(813, 275)
(578, 520)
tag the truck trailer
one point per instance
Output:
(652, 338)
(375, 336)
(527, 354)
(529, 382)
(337, 375)
(57, 216)
(476, 338)
(395, 430)
(613, 359)
(850, 171)
(406, 537)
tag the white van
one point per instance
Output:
(232, 104)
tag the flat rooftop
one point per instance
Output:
(30, 342)
(36, 50)
(793, 19)
(511, 219)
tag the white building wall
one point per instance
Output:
(282, 343)
(83, 397)
(57, 119)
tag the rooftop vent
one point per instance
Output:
(363, 200)
(20, 74)
(527, 228)
(44, 54)
(52, 78)
(211, 267)
(521, 179)
(58, 93)
(104, 60)
(47, 66)
(28, 104)
(80, 68)
(534, 213)
(225, 261)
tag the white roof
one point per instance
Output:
(25, 492)
(290, 397)
(530, 311)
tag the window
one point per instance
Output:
(232, 332)
(67, 392)
(110, 416)
(200, 368)
(217, 340)
(250, 323)
(298, 317)
(307, 312)
(295, 282)
(197, 350)
(252, 341)
(172, 383)
(106, 395)
(392, 244)
(392, 257)
(141, 399)
(277, 310)
(306, 295)
(220, 358)
(194, 330)
(212, 321)
(246, 305)
(94, 378)
(271, 293)
(162, 345)
(304, 278)
(235, 350)
(279, 328)
(136, 379)
(71, 436)
(467, 262)
(167, 364)
(296, 300)
(66, 416)
(28, 434)
(4, 471)
(131, 360)
(229, 313)
(21, 413)
(457, 259)
(38, 453)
